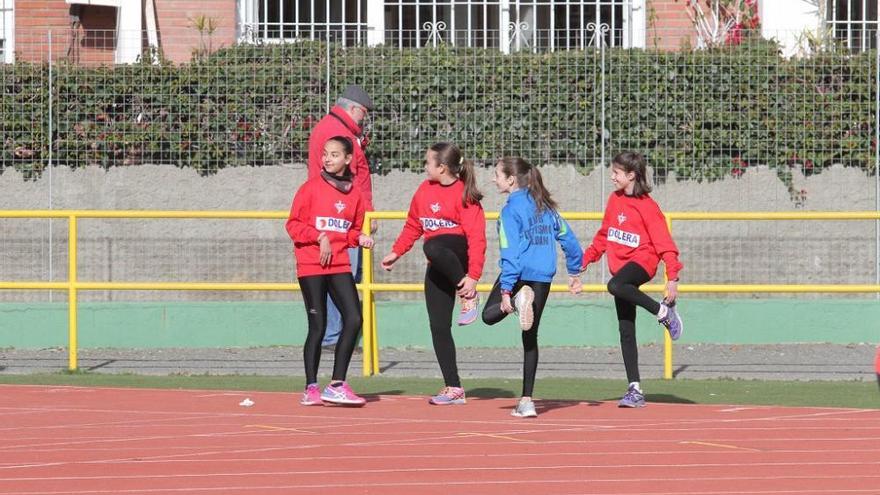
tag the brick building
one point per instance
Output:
(122, 31)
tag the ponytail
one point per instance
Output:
(448, 154)
(468, 175)
(529, 177)
(540, 193)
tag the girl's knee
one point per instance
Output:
(488, 316)
(614, 287)
(354, 321)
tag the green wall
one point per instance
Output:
(566, 323)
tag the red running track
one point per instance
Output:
(70, 440)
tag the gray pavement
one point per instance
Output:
(692, 361)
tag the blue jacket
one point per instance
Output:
(528, 250)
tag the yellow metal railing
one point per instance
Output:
(371, 354)
(370, 337)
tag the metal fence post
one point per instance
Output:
(667, 340)
(877, 156)
(49, 165)
(327, 82)
(369, 328)
(72, 345)
(598, 40)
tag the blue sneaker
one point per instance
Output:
(671, 321)
(342, 394)
(449, 396)
(632, 398)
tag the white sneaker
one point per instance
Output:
(524, 409)
(523, 304)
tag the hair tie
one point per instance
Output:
(461, 160)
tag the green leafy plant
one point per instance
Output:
(701, 115)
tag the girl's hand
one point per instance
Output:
(671, 291)
(467, 287)
(325, 251)
(584, 267)
(365, 241)
(506, 305)
(574, 284)
(389, 260)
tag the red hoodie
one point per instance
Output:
(437, 210)
(339, 123)
(320, 207)
(634, 229)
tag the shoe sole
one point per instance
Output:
(468, 321)
(526, 314)
(680, 331)
(310, 403)
(343, 402)
(450, 403)
(630, 405)
(518, 415)
(680, 328)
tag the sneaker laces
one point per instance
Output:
(450, 392)
(631, 394)
(468, 304)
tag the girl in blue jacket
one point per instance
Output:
(528, 231)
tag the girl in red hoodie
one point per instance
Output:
(325, 220)
(635, 237)
(446, 210)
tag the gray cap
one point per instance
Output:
(357, 94)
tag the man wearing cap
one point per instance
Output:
(346, 118)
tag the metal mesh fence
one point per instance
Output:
(736, 127)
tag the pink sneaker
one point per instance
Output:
(469, 309)
(449, 396)
(312, 396)
(342, 394)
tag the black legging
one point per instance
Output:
(447, 261)
(492, 314)
(624, 286)
(344, 294)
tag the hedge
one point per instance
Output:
(698, 114)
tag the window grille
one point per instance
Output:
(854, 22)
(537, 25)
(508, 25)
(285, 20)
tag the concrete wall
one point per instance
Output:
(260, 251)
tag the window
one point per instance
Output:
(536, 25)
(280, 20)
(508, 25)
(854, 22)
(7, 31)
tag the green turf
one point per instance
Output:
(739, 392)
